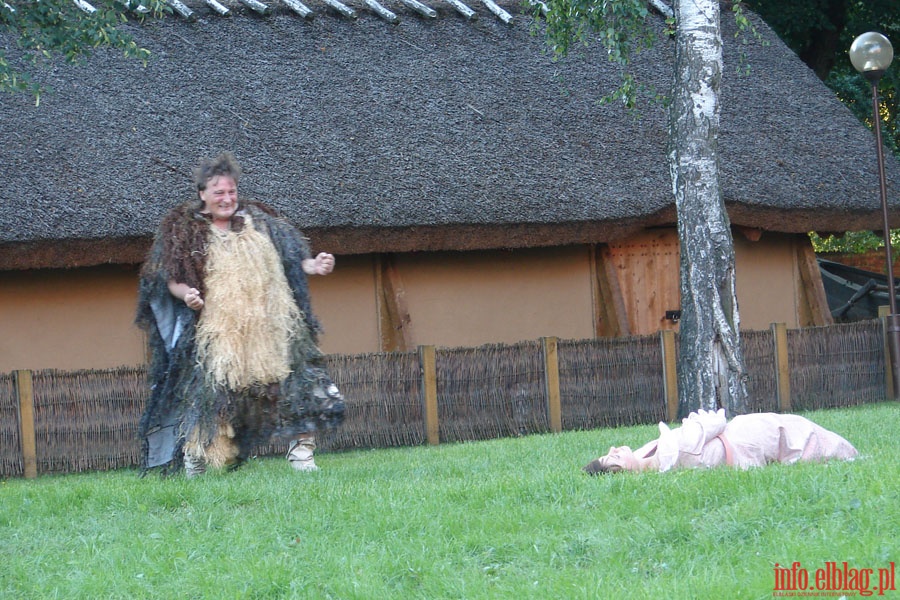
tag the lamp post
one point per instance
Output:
(871, 54)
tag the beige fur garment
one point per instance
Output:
(249, 318)
(220, 451)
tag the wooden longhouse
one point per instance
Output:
(474, 189)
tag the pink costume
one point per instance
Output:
(705, 439)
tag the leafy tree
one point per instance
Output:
(856, 242)
(821, 31)
(710, 370)
(44, 29)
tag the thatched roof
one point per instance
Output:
(432, 133)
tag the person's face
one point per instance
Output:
(620, 458)
(220, 197)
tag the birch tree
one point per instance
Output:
(711, 372)
(710, 368)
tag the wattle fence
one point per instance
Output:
(63, 422)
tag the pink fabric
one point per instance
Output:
(755, 440)
(759, 439)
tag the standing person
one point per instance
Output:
(235, 362)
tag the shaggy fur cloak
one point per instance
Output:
(184, 401)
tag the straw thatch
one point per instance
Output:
(430, 134)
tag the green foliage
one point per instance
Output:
(510, 518)
(622, 27)
(854, 242)
(795, 22)
(619, 25)
(746, 31)
(821, 34)
(43, 29)
(856, 92)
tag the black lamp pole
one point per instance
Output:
(871, 54)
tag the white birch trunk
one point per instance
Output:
(710, 368)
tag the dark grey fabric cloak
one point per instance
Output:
(182, 399)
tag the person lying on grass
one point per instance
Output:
(706, 439)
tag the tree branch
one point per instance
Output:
(662, 8)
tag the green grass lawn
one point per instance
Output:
(511, 518)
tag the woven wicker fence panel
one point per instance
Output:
(759, 364)
(383, 393)
(491, 391)
(611, 382)
(384, 401)
(11, 463)
(839, 365)
(87, 420)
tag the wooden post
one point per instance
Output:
(610, 316)
(782, 367)
(25, 392)
(813, 288)
(549, 346)
(395, 322)
(427, 363)
(883, 312)
(670, 372)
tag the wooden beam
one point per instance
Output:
(751, 233)
(670, 372)
(782, 367)
(464, 10)
(25, 392)
(382, 12)
(549, 345)
(257, 6)
(425, 11)
(344, 10)
(498, 12)
(428, 364)
(387, 333)
(610, 316)
(298, 7)
(883, 312)
(812, 286)
(395, 322)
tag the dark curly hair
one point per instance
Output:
(224, 164)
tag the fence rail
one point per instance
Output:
(62, 422)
